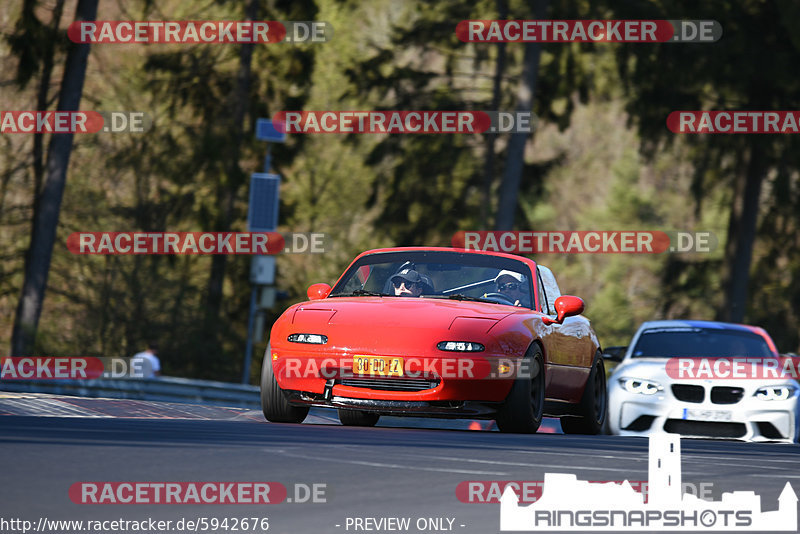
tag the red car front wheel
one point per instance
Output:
(274, 404)
(522, 410)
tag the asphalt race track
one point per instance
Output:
(50, 443)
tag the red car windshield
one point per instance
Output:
(438, 274)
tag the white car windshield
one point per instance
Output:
(699, 342)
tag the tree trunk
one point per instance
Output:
(41, 100)
(509, 190)
(491, 138)
(234, 179)
(742, 228)
(45, 216)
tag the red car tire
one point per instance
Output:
(594, 403)
(274, 404)
(357, 418)
(522, 410)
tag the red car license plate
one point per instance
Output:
(378, 365)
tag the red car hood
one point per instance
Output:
(390, 324)
(398, 312)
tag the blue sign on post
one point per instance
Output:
(266, 131)
(262, 214)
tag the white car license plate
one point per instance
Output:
(707, 415)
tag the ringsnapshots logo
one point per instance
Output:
(569, 504)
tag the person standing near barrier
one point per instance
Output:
(147, 361)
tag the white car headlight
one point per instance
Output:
(640, 385)
(778, 393)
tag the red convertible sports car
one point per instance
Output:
(438, 332)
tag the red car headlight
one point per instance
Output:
(460, 346)
(314, 339)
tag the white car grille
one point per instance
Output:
(697, 394)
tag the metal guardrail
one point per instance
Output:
(168, 389)
(189, 391)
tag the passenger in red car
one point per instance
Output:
(513, 286)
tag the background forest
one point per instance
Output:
(601, 159)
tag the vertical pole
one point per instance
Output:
(248, 351)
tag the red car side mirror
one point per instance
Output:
(566, 306)
(318, 291)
